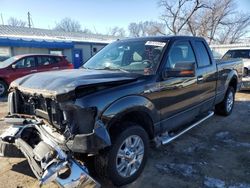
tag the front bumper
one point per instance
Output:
(245, 85)
(48, 161)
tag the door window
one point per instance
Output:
(180, 54)
(27, 62)
(46, 60)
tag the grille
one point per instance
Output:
(42, 107)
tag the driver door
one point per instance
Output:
(179, 93)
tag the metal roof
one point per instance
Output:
(25, 33)
(19, 42)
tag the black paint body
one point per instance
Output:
(166, 102)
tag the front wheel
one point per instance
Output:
(126, 159)
(225, 108)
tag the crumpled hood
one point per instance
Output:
(54, 83)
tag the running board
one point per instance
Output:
(166, 139)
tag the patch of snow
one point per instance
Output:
(194, 148)
(227, 138)
(214, 183)
(222, 135)
(182, 169)
(243, 144)
(240, 185)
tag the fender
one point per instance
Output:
(128, 104)
(231, 75)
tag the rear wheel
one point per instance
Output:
(126, 158)
(225, 108)
(3, 88)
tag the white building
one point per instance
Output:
(77, 46)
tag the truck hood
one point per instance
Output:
(65, 82)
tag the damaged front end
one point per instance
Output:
(52, 118)
(48, 133)
(48, 161)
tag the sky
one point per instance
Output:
(96, 15)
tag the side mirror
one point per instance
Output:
(181, 69)
(13, 66)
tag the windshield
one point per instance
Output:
(140, 56)
(245, 54)
(8, 62)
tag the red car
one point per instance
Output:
(21, 65)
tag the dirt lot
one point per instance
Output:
(214, 154)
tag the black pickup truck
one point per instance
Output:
(132, 92)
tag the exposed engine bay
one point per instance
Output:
(76, 127)
(62, 116)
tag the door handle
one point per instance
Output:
(33, 71)
(200, 78)
(55, 68)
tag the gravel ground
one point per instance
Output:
(216, 154)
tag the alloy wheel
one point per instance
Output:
(130, 156)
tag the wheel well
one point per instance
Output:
(245, 71)
(1, 79)
(139, 117)
(233, 83)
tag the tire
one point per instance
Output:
(106, 164)
(225, 108)
(3, 88)
(9, 150)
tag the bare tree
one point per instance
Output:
(220, 11)
(16, 22)
(176, 14)
(87, 31)
(117, 31)
(69, 25)
(134, 29)
(236, 28)
(198, 24)
(147, 28)
(219, 22)
(152, 28)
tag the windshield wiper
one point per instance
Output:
(82, 67)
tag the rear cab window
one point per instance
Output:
(202, 54)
